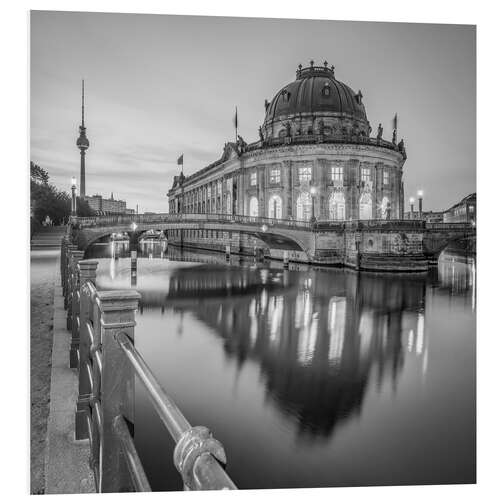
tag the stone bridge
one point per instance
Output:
(380, 245)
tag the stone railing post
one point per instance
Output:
(75, 256)
(62, 260)
(67, 264)
(117, 310)
(87, 272)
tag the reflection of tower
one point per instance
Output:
(82, 143)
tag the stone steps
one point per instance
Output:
(48, 237)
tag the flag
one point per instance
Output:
(180, 160)
(236, 118)
(395, 122)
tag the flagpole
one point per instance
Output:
(236, 125)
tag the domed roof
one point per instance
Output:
(316, 90)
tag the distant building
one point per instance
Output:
(107, 206)
(429, 216)
(463, 211)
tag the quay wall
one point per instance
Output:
(396, 251)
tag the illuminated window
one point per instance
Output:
(304, 174)
(336, 206)
(253, 179)
(338, 174)
(304, 206)
(365, 206)
(229, 183)
(365, 174)
(275, 207)
(386, 177)
(209, 191)
(253, 207)
(219, 188)
(383, 207)
(275, 176)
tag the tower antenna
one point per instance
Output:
(83, 103)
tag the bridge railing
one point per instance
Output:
(320, 224)
(121, 220)
(453, 226)
(102, 324)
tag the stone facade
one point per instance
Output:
(314, 159)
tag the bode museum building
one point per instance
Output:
(316, 159)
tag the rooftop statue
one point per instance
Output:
(379, 132)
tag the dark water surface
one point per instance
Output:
(309, 377)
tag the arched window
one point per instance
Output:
(365, 206)
(304, 206)
(253, 207)
(275, 207)
(383, 207)
(336, 206)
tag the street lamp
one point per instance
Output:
(412, 206)
(420, 195)
(73, 196)
(313, 191)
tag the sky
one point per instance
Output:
(157, 86)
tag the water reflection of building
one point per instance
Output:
(319, 337)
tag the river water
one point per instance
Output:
(311, 376)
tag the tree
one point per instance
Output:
(47, 200)
(38, 174)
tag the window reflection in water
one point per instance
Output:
(336, 328)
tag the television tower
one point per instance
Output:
(82, 144)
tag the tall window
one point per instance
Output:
(304, 206)
(275, 207)
(365, 174)
(229, 183)
(338, 174)
(275, 176)
(386, 177)
(209, 191)
(304, 174)
(253, 207)
(365, 206)
(219, 188)
(229, 204)
(336, 206)
(253, 179)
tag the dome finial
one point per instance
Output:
(326, 63)
(312, 63)
(300, 66)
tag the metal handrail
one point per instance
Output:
(210, 475)
(134, 464)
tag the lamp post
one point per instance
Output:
(73, 196)
(412, 207)
(420, 195)
(313, 191)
